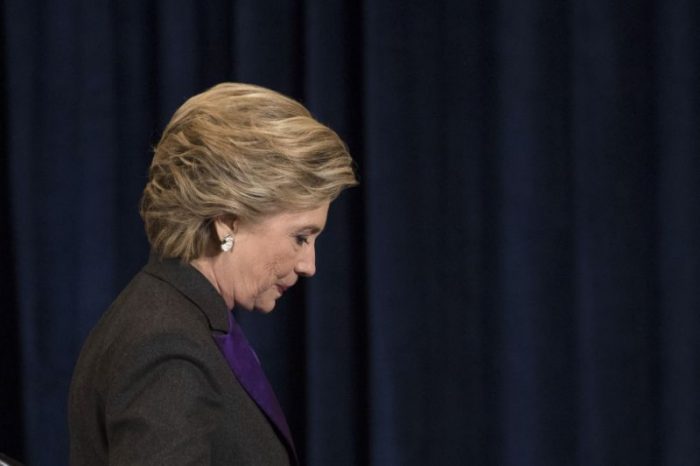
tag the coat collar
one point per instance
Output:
(194, 286)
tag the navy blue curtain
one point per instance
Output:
(515, 282)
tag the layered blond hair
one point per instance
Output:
(238, 150)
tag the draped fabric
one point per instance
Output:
(515, 281)
(10, 383)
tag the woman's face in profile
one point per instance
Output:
(269, 255)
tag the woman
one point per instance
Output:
(238, 192)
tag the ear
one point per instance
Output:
(224, 225)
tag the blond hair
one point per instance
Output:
(240, 150)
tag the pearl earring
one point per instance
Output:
(227, 243)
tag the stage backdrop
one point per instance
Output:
(515, 282)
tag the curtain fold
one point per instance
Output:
(515, 280)
(11, 422)
(535, 295)
(677, 121)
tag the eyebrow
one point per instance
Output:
(313, 229)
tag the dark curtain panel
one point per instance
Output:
(515, 282)
(10, 356)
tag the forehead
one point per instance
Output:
(312, 220)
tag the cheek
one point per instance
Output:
(273, 271)
(282, 265)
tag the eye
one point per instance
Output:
(302, 239)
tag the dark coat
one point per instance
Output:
(151, 386)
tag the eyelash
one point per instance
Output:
(301, 240)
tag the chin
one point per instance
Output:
(266, 302)
(265, 309)
(265, 306)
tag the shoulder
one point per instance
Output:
(150, 320)
(149, 304)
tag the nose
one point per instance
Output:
(306, 266)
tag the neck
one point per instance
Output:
(207, 267)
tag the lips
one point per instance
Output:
(282, 288)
